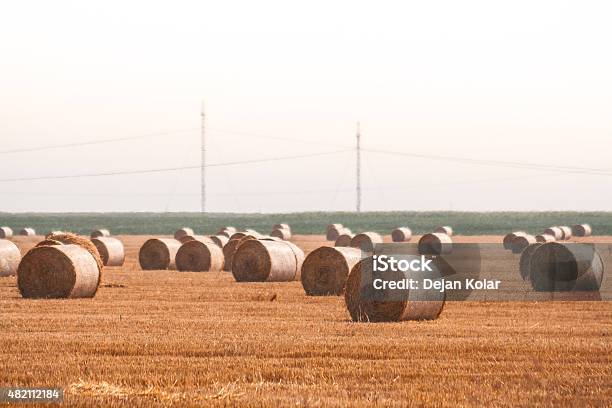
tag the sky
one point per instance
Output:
(468, 95)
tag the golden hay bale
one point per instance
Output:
(366, 241)
(420, 305)
(521, 242)
(579, 230)
(435, 243)
(48, 242)
(336, 226)
(281, 226)
(333, 231)
(267, 261)
(555, 232)
(508, 238)
(199, 256)
(544, 238)
(159, 253)
(229, 250)
(9, 258)
(344, 240)
(100, 233)
(444, 229)
(59, 271)
(182, 232)
(111, 250)
(6, 233)
(219, 240)
(567, 233)
(524, 263)
(55, 232)
(282, 233)
(227, 231)
(401, 234)
(325, 270)
(28, 232)
(187, 238)
(70, 238)
(237, 235)
(566, 267)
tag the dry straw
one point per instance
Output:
(344, 240)
(9, 258)
(111, 250)
(159, 254)
(199, 256)
(580, 230)
(567, 233)
(555, 232)
(524, 263)
(566, 267)
(28, 232)
(267, 261)
(219, 240)
(401, 234)
(284, 234)
(100, 233)
(48, 242)
(521, 242)
(508, 238)
(425, 306)
(6, 233)
(187, 238)
(67, 238)
(325, 270)
(544, 238)
(182, 232)
(366, 241)
(435, 244)
(444, 229)
(59, 271)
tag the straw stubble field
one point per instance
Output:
(155, 338)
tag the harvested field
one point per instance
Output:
(202, 339)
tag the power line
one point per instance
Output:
(167, 169)
(95, 142)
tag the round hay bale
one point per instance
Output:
(9, 258)
(508, 238)
(401, 234)
(158, 254)
(252, 232)
(59, 271)
(219, 240)
(333, 231)
(267, 261)
(544, 238)
(579, 230)
(227, 231)
(567, 233)
(283, 234)
(524, 263)
(325, 270)
(444, 229)
(6, 233)
(238, 235)
(366, 241)
(100, 233)
(199, 256)
(67, 238)
(555, 232)
(48, 242)
(111, 250)
(27, 232)
(344, 240)
(566, 267)
(51, 233)
(435, 243)
(182, 232)
(420, 304)
(521, 242)
(188, 238)
(229, 250)
(281, 226)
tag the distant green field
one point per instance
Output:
(464, 223)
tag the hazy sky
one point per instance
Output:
(522, 81)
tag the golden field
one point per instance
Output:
(162, 338)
